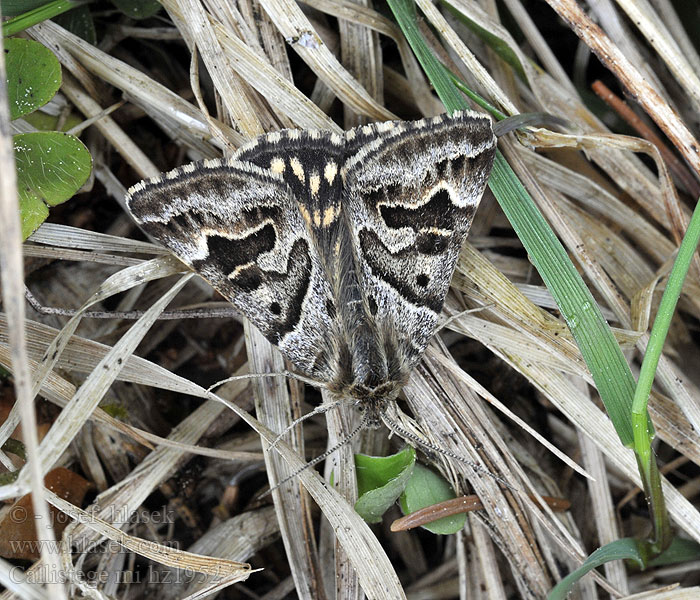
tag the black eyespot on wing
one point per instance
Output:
(275, 308)
(185, 221)
(441, 168)
(423, 280)
(458, 163)
(375, 196)
(392, 191)
(396, 269)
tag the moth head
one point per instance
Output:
(372, 411)
(372, 401)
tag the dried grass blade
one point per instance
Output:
(376, 573)
(120, 281)
(72, 418)
(166, 555)
(193, 21)
(297, 29)
(12, 281)
(82, 355)
(652, 27)
(179, 117)
(66, 236)
(59, 391)
(272, 406)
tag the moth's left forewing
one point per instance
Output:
(411, 191)
(239, 226)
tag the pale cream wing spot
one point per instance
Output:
(329, 216)
(305, 214)
(297, 168)
(314, 184)
(277, 165)
(330, 171)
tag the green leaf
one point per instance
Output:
(137, 9)
(31, 13)
(15, 447)
(33, 212)
(42, 121)
(598, 345)
(380, 481)
(79, 22)
(680, 550)
(33, 75)
(12, 8)
(624, 549)
(426, 488)
(51, 167)
(600, 350)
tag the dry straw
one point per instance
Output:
(618, 218)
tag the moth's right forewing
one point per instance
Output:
(411, 191)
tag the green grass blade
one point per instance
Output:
(598, 346)
(37, 15)
(659, 330)
(624, 549)
(600, 350)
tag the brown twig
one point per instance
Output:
(632, 119)
(634, 82)
(457, 506)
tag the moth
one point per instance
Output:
(339, 248)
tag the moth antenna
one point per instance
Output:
(348, 438)
(262, 375)
(396, 428)
(316, 411)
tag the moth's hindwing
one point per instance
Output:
(240, 227)
(411, 190)
(309, 163)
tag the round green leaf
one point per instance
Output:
(33, 212)
(51, 167)
(79, 22)
(46, 122)
(12, 8)
(380, 481)
(426, 488)
(137, 9)
(33, 75)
